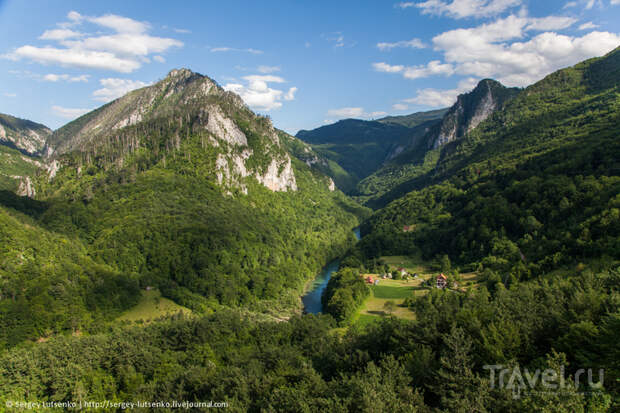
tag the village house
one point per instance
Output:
(442, 281)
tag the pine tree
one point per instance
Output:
(460, 389)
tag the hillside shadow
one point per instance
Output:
(22, 204)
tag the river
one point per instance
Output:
(312, 299)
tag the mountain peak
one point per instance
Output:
(182, 72)
(183, 107)
(183, 75)
(471, 109)
(180, 88)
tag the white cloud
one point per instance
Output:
(434, 67)
(486, 51)
(615, 2)
(69, 113)
(442, 98)
(232, 49)
(570, 4)
(120, 24)
(349, 112)
(128, 45)
(257, 93)
(352, 112)
(413, 43)
(550, 23)
(264, 78)
(182, 31)
(10, 95)
(159, 59)
(337, 39)
(503, 50)
(268, 69)
(124, 50)
(290, 95)
(588, 25)
(114, 88)
(77, 58)
(52, 77)
(74, 16)
(386, 68)
(400, 106)
(59, 34)
(460, 9)
(405, 4)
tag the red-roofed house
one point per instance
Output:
(442, 281)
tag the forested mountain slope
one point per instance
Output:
(533, 188)
(177, 186)
(303, 151)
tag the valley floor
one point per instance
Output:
(397, 291)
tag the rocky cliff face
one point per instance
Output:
(26, 136)
(26, 188)
(181, 105)
(470, 110)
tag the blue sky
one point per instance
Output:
(304, 63)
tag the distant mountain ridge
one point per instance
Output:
(378, 154)
(414, 119)
(360, 147)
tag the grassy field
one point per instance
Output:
(411, 264)
(390, 290)
(152, 306)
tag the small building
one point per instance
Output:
(408, 228)
(377, 281)
(442, 281)
(369, 280)
(402, 271)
